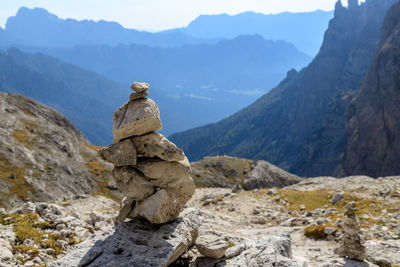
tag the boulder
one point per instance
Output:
(119, 154)
(164, 173)
(136, 118)
(132, 183)
(156, 145)
(137, 243)
(211, 246)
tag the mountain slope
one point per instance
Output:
(304, 30)
(43, 157)
(373, 119)
(38, 27)
(195, 84)
(299, 125)
(87, 98)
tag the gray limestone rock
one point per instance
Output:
(138, 95)
(120, 154)
(156, 145)
(164, 173)
(136, 118)
(140, 87)
(28, 207)
(137, 243)
(166, 204)
(126, 208)
(132, 183)
(211, 246)
(336, 198)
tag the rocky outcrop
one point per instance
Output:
(300, 125)
(43, 157)
(229, 172)
(149, 170)
(137, 243)
(373, 119)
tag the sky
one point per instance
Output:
(158, 14)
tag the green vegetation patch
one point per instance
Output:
(20, 136)
(312, 200)
(27, 227)
(14, 175)
(318, 231)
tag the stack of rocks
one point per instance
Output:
(352, 246)
(150, 171)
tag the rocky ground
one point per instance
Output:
(243, 226)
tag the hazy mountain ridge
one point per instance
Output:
(290, 126)
(87, 98)
(373, 118)
(193, 84)
(38, 27)
(304, 30)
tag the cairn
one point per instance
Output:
(150, 171)
(351, 245)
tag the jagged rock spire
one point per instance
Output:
(339, 8)
(353, 4)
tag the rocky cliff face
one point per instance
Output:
(300, 125)
(373, 119)
(43, 157)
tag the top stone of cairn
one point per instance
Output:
(139, 87)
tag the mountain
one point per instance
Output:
(43, 156)
(300, 124)
(193, 84)
(87, 98)
(38, 27)
(305, 30)
(373, 118)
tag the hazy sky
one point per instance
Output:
(158, 14)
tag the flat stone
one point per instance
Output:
(120, 154)
(156, 145)
(211, 246)
(132, 183)
(164, 173)
(140, 95)
(137, 117)
(137, 243)
(127, 205)
(140, 87)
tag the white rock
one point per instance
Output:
(156, 145)
(136, 118)
(137, 243)
(120, 154)
(132, 183)
(28, 207)
(140, 87)
(166, 204)
(211, 246)
(164, 173)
